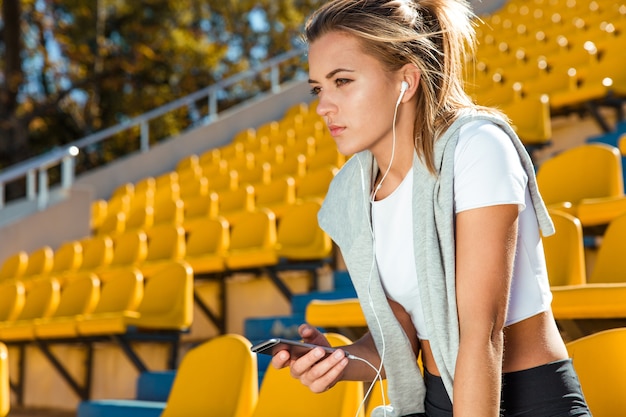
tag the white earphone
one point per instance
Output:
(403, 87)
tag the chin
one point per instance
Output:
(347, 150)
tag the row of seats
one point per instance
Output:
(210, 246)
(586, 181)
(565, 256)
(254, 170)
(232, 383)
(81, 304)
(543, 58)
(219, 377)
(277, 195)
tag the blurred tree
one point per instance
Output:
(72, 67)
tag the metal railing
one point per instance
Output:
(35, 170)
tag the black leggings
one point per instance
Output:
(550, 390)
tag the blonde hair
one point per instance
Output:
(434, 35)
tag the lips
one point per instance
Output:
(336, 130)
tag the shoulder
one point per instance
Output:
(348, 181)
(487, 167)
(483, 138)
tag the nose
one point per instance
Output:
(325, 105)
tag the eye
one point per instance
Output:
(342, 81)
(315, 91)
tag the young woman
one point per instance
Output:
(438, 218)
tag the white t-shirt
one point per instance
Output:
(487, 172)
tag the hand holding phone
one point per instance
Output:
(295, 348)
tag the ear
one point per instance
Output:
(411, 75)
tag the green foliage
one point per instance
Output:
(73, 67)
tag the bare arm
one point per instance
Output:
(485, 250)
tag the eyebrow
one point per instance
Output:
(332, 74)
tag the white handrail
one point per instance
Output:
(34, 170)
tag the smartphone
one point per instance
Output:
(295, 348)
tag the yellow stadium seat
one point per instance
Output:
(14, 266)
(189, 162)
(253, 241)
(277, 196)
(167, 304)
(245, 136)
(600, 363)
(232, 380)
(622, 145)
(314, 185)
(39, 262)
(41, 301)
(12, 297)
(98, 214)
(207, 245)
(281, 395)
(168, 211)
(210, 158)
(290, 166)
(246, 161)
(67, 258)
(129, 250)
(167, 187)
(293, 121)
(5, 388)
(530, 118)
(324, 157)
(113, 224)
(192, 187)
(140, 217)
(258, 145)
(233, 204)
(269, 153)
(166, 244)
(200, 207)
(299, 237)
(589, 301)
(122, 292)
(97, 253)
(564, 251)
(213, 167)
(223, 182)
(335, 313)
(118, 202)
(258, 174)
(270, 129)
(610, 264)
(79, 295)
(303, 145)
(126, 189)
(143, 195)
(587, 178)
(499, 91)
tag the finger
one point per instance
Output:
(313, 365)
(326, 373)
(306, 362)
(281, 359)
(312, 335)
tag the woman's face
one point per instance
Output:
(357, 97)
